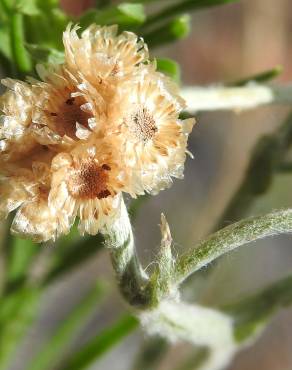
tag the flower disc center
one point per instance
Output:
(89, 181)
(142, 124)
(70, 113)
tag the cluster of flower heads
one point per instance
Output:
(102, 123)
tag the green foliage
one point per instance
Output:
(17, 311)
(108, 338)
(52, 21)
(252, 313)
(51, 353)
(20, 256)
(266, 157)
(231, 237)
(28, 7)
(175, 29)
(261, 77)
(5, 48)
(183, 6)
(125, 15)
(19, 53)
(170, 68)
(45, 54)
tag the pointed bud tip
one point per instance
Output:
(165, 233)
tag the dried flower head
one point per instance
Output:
(87, 183)
(101, 55)
(69, 109)
(17, 106)
(27, 189)
(102, 123)
(145, 113)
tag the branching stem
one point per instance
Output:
(232, 237)
(242, 98)
(131, 277)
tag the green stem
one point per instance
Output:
(235, 98)
(265, 160)
(201, 326)
(21, 58)
(261, 77)
(232, 237)
(130, 275)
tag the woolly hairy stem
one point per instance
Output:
(168, 317)
(232, 237)
(131, 277)
(235, 98)
(196, 324)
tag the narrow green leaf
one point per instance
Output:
(170, 68)
(17, 311)
(133, 11)
(52, 21)
(5, 8)
(173, 30)
(269, 152)
(20, 55)
(262, 77)
(102, 343)
(183, 7)
(5, 46)
(252, 313)
(21, 253)
(231, 237)
(125, 15)
(48, 357)
(6, 59)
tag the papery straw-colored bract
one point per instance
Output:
(154, 138)
(102, 123)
